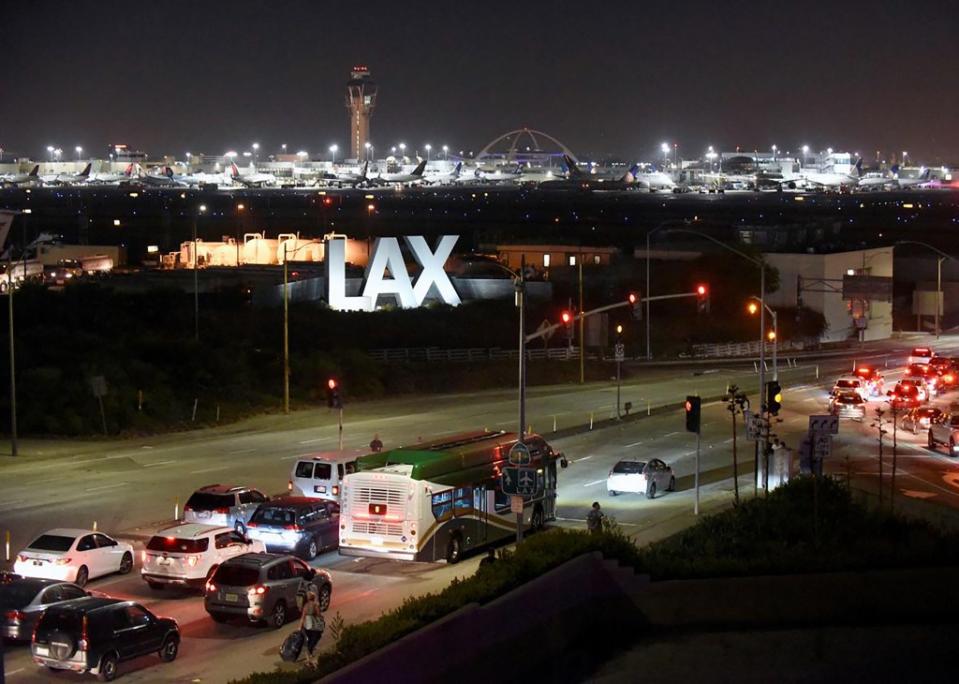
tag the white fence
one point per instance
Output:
(468, 355)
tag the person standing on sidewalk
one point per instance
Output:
(376, 446)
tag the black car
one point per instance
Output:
(23, 600)
(95, 634)
(296, 524)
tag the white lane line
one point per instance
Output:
(10, 504)
(13, 672)
(584, 458)
(314, 441)
(670, 434)
(727, 441)
(102, 487)
(595, 482)
(633, 444)
(158, 463)
(208, 470)
(243, 451)
(583, 520)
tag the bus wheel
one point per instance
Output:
(454, 549)
(537, 521)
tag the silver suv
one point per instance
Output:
(946, 432)
(264, 587)
(224, 505)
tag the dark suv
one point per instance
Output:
(296, 524)
(95, 634)
(264, 587)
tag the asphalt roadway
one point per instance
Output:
(129, 487)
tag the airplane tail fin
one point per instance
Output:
(128, 171)
(168, 172)
(420, 168)
(630, 176)
(859, 167)
(571, 165)
(456, 171)
(234, 172)
(86, 170)
(35, 172)
(895, 169)
(366, 167)
(925, 174)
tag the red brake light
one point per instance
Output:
(336, 490)
(251, 524)
(222, 510)
(289, 485)
(260, 590)
(293, 527)
(210, 586)
(15, 615)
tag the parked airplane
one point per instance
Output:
(445, 178)
(18, 179)
(351, 179)
(923, 177)
(68, 178)
(578, 180)
(416, 176)
(253, 179)
(499, 174)
(108, 178)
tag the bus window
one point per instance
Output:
(351, 467)
(339, 470)
(479, 498)
(501, 502)
(443, 505)
(462, 500)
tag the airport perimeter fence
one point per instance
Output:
(732, 349)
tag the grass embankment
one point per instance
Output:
(777, 535)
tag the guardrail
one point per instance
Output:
(729, 349)
(427, 354)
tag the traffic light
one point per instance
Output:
(702, 299)
(636, 303)
(567, 318)
(774, 397)
(333, 399)
(693, 413)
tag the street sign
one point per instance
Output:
(519, 454)
(866, 288)
(516, 504)
(620, 351)
(822, 446)
(752, 426)
(521, 482)
(98, 384)
(827, 424)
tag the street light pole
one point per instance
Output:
(286, 330)
(938, 293)
(13, 366)
(521, 303)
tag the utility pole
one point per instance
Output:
(7, 217)
(286, 336)
(582, 326)
(895, 430)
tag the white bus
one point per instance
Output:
(440, 499)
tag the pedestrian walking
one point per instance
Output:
(376, 446)
(594, 519)
(312, 623)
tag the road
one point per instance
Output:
(130, 486)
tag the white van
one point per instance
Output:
(320, 476)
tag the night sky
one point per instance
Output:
(606, 78)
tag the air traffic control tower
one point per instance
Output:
(360, 100)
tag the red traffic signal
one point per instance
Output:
(331, 383)
(636, 303)
(702, 299)
(701, 290)
(567, 317)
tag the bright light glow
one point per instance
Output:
(240, 207)
(402, 147)
(632, 297)
(78, 149)
(850, 271)
(752, 308)
(805, 149)
(367, 144)
(116, 222)
(370, 207)
(428, 147)
(665, 148)
(828, 150)
(701, 290)
(566, 317)
(771, 335)
(302, 154)
(231, 154)
(153, 249)
(202, 208)
(331, 383)
(334, 148)
(446, 148)
(256, 146)
(619, 329)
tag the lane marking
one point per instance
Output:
(158, 463)
(209, 470)
(596, 482)
(633, 444)
(243, 451)
(670, 434)
(584, 458)
(102, 487)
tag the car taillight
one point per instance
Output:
(192, 560)
(949, 377)
(336, 490)
(15, 615)
(210, 586)
(143, 556)
(289, 485)
(82, 643)
(252, 524)
(294, 527)
(222, 510)
(259, 589)
(63, 561)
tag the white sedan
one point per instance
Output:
(640, 477)
(71, 555)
